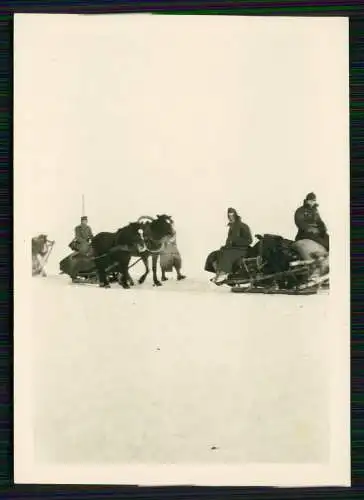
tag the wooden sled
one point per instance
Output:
(272, 291)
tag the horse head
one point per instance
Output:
(163, 226)
(158, 231)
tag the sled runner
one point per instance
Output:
(299, 279)
(274, 291)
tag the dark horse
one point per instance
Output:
(156, 233)
(117, 248)
(273, 255)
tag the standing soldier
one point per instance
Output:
(171, 258)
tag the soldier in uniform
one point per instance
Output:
(237, 243)
(82, 245)
(83, 237)
(170, 257)
(309, 223)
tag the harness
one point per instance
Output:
(149, 239)
(114, 248)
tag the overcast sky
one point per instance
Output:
(185, 115)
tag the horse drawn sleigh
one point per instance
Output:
(275, 265)
(108, 258)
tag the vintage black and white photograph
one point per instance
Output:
(181, 253)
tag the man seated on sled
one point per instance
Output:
(309, 223)
(83, 236)
(237, 243)
(82, 245)
(40, 248)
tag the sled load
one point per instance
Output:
(82, 268)
(275, 265)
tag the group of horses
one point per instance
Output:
(111, 253)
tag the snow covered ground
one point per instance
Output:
(184, 373)
(143, 123)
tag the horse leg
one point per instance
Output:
(101, 272)
(125, 278)
(154, 268)
(147, 270)
(130, 280)
(164, 277)
(123, 265)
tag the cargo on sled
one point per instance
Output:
(82, 269)
(275, 265)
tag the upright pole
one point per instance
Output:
(83, 205)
